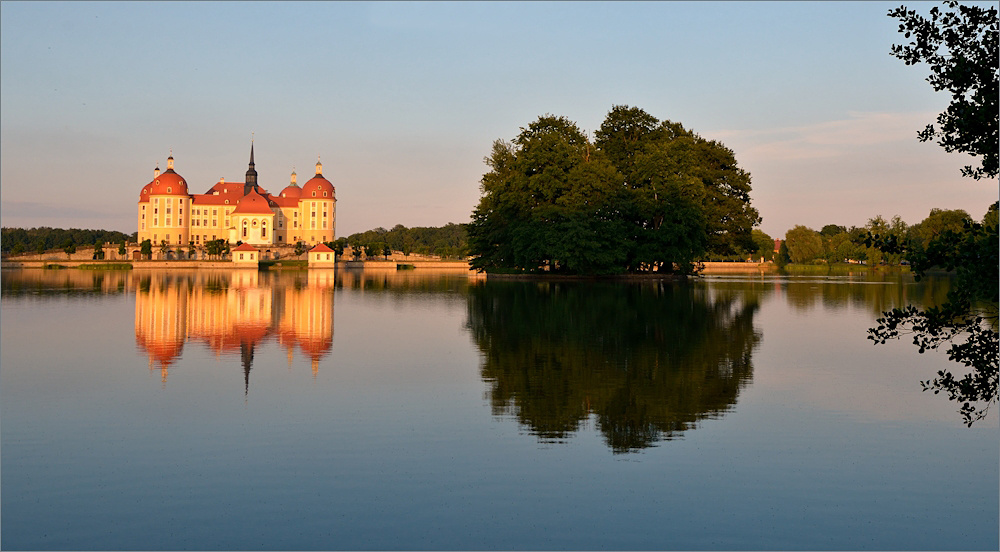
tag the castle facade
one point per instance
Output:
(236, 211)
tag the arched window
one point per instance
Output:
(244, 228)
(263, 229)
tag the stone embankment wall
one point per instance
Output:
(736, 267)
(367, 265)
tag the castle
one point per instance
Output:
(236, 211)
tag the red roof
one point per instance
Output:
(291, 190)
(253, 204)
(321, 248)
(317, 185)
(245, 247)
(169, 183)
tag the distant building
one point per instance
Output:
(236, 211)
(322, 256)
(246, 255)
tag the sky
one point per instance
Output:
(402, 102)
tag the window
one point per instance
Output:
(167, 238)
(144, 226)
(156, 199)
(241, 256)
(180, 211)
(227, 202)
(204, 222)
(324, 224)
(295, 224)
(168, 189)
(227, 221)
(143, 207)
(281, 238)
(314, 194)
(156, 211)
(168, 222)
(143, 216)
(324, 194)
(314, 224)
(215, 222)
(328, 256)
(154, 238)
(263, 229)
(244, 229)
(215, 212)
(295, 214)
(168, 210)
(180, 222)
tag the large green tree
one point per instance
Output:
(673, 169)
(645, 195)
(549, 200)
(804, 244)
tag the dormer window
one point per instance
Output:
(168, 189)
(314, 194)
(324, 194)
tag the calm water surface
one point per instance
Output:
(385, 410)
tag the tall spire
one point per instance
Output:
(251, 180)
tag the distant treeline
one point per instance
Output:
(19, 240)
(450, 240)
(836, 243)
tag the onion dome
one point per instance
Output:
(253, 204)
(292, 190)
(169, 182)
(318, 186)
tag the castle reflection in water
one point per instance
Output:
(233, 312)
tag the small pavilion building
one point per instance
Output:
(246, 256)
(322, 256)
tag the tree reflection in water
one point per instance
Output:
(648, 360)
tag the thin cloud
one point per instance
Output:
(828, 139)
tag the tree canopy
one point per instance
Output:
(450, 240)
(43, 238)
(960, 46)
(644, 195)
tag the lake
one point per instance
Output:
(429, 410)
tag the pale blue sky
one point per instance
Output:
(403, 100)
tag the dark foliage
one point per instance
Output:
(960, 46)
(44, 238)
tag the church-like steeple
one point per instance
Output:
(251, 181)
